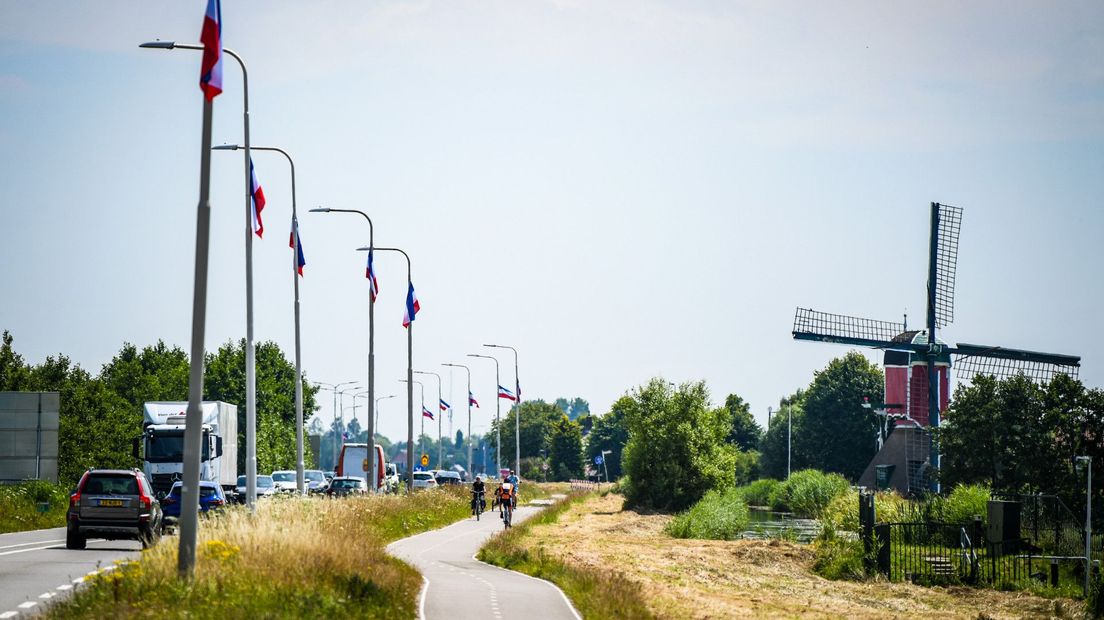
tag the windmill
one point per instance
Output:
(918, 363)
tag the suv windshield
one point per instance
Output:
(111, 484)
(346, 484)
(283, 476)
(314, 476)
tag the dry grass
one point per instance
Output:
(754, 579)
(296, 557)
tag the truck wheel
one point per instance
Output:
(74, 540)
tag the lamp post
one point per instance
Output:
(440, 398)
(332, 387)
(517, 406)
(377, 408)
(421, 433)
(604, 468)
(409, 371)
(1086, 462)
(498, 411)
(789, 437)
(250, 353)
(300, 466)
(469, 399)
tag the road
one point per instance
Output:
(459, 586)
(36, 567)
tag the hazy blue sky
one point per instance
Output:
(618, 189)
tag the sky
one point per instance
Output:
(620, 190)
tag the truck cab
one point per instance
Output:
(161, 444)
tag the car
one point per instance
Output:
(346, 485)
(316, 480)
(285, 481)
(444, 477)
(211, 497)
(265, 488)
(113, 504)
(329, 475)
(424, 480)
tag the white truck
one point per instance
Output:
(161, 446)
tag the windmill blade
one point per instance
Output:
(971, 360)
(825, 327)
(946, 260)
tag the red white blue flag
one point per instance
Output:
(445, 406)
(210, 68)
(507, 394)
(426, 413)
(471, 399)
(370, 273)
(295, 243)
(257, 196)
(412, 306)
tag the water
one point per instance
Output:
(769, 524)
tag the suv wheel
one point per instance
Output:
(73, 540)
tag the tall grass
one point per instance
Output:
(720, 515)
(296, 557)
(596, 593)
(759, 493)
(808, 492)
(19, 506)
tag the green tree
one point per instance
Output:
(14, 372)
(565, 452)
(610, 432)
(537, 418)
(156, 373)
(677, 448)
(836, 431)
(746, 432)
(772, 445)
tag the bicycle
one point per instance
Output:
(478, 504)
(507, 514)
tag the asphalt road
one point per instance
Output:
(35, 567)
(459, 586)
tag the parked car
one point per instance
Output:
(444, 477)
(285, 481)
(113, 504)
(424, 480)
(211, 497)
(316, 480)
(265, 488)
(346, 485)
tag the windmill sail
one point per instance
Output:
(972, 360)
(946, 260)
(825, 327)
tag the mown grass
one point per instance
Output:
(19, 506)
(595, 593)
(720, 515)
(295, 558)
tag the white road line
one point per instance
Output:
(28, 604)
(65, 587)
(570, 606)
(8, 614)
(37, 542)
(421, 603)
(46, 595)
(78, 580)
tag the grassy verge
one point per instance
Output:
(19, 506)
(595, 593)
(296, 557)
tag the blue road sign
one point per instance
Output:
(419, 468)
(598, 460)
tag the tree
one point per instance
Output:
(565, 452)
(537, 418)
(772, 445)
(610, 432)
(677, 448)
(745, 432)
(573, 408)
(14, 372)
(156, 373)
(837, 433)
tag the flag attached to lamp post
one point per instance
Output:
(296, 243)
(412, 306)
(426, 413)
(210, 68)
(256, 194)
(507, 394)
(445, 406)
(471, 399)
(370, 273)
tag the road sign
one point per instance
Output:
(425, 460)
(598, 460)
(419, 468)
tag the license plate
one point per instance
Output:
(111, 502)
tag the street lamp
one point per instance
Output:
(377, 408)
(421, 450)
(440, 402)
(469, 398)
(371, 345)
(604, 468)
(332, 387)
(300, 466)
(498, 411)
(409, 371)
(1086, 462)
(517, 406)
(250, 353)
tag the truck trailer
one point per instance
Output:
(161, 445)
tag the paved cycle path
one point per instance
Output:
(459, 586)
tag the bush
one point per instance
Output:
(19, 509)
(839, 559)
(842, 513)
(759, 493)
(720, 515)
(965, 502)
(808, 492)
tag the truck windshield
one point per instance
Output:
(169, 447)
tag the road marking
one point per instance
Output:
(37, 542)
(421, 603)
(46, 595)
(28, 604)
(8, 614)
(78, 580)
(65, 587)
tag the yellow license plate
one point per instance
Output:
(111, 502)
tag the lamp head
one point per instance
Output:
(320, 210)
(158, 45)
(225, 147)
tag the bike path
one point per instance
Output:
(459, 586)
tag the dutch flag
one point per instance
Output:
(445, 406)
(507, 394)
(426, 413)
(412, 307)
(471, 399)
(370, 273)
(296, 243)
(210, 68)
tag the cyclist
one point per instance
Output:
(513, 480)
(503, 497)
(478, 488)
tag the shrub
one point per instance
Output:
(808, 492)
(759, 493)
(965, 502)
(720, 515)
(19, 506)
(842, 513)
(839, 559)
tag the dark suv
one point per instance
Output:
(113, 504)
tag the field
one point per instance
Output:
(724, 579)
(20, 506)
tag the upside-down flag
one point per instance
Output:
(210, 68)
(412, 306)
(257, 195)
(471, 399)
(445, 406)
(301, 260)
(370, 273)
(426, 413)
(507, 394)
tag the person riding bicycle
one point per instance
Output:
(504, 496)
(478, 489)
(513, 479)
